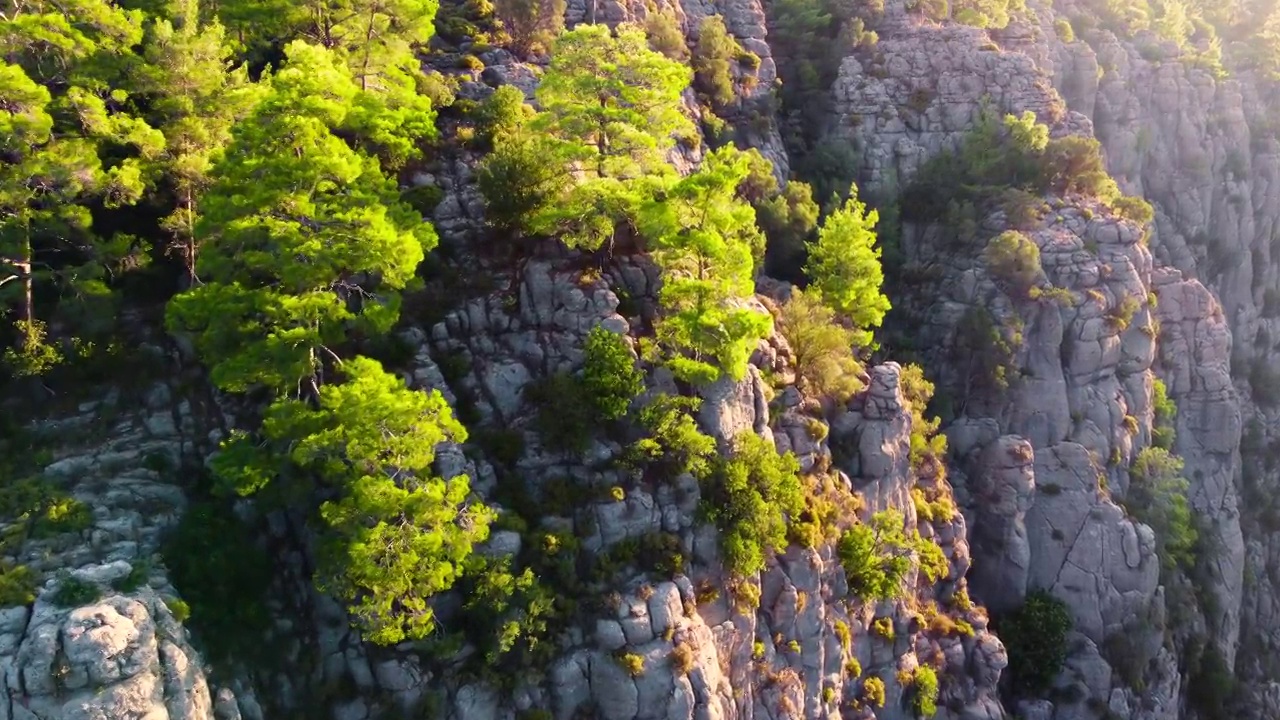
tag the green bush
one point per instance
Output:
(1014, 153)
(1064, 30)
(873, 692)
(1211, 686)
(822, 347)
(610, 375)
(1035, 636)
(531, 24)
(788, 219)
(712, 58)
(73, 592)
(136, 578)
(423, 198)
(1122, 313)
(1157, 497)
(179, 607)
(665, 35)
(502, 115)
(632, 663)
(751, 497)
(877, 556)
(43, 507)
(924, 691)
(1015, 259)
(17, 585)
(674, 443)
(566, 411)
(1163, 431)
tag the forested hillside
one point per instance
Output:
(532, 358)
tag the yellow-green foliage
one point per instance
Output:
(1015, 259)
(883, 627)
(924, 686)
(751, 498)
(844, 267)
(873, 692)
(843, 634)
(1158, 497)
(1163, 432)
(822, 348)
(665, 35)
(712, 56)
(926, 441)
(1013, 153)
(632, 663)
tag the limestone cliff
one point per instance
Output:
(1040, 468)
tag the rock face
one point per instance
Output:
(113, 649)
(1037, 462)
(1039, 468)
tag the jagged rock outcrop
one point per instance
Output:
(113, 649)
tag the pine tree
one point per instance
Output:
(703, 236)
(844, 267)
(195, 98)
(307, 235)
(611, 110)
(65, 97)
(532, 24)
(399, 535)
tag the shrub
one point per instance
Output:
(852, 668)
(933, 563)
(788, 218)
(502, 115)
(1163, 432)
(751, 498)
(844, 267)
(1015, 259)
(136, 578)
(45, 509)
(873, 692)
(17, 585)
(566, 411)
(1065, 32)
(823, 349)
(1212, 686)
(423, 198)
(924, 697)
(532, 24)
(843, 634)
(712, 56)
(632, 663)
(1134, 208)
(665, 35)
(877, 556)
(1035, 636)
(471, 62)
(1122, 314)
(1157, 497)
(516, 180)
(674, 442)
(74, 592)
(883, 627)
(179, 607)
(610, 374)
